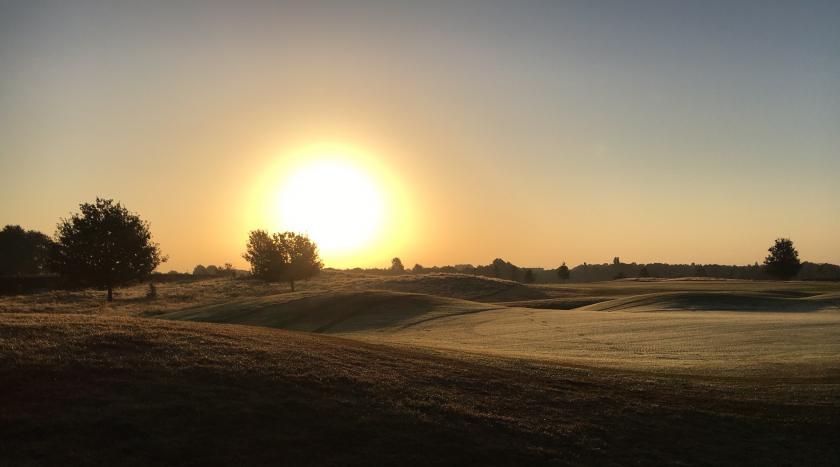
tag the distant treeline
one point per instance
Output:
(502, 269)
(603, 272)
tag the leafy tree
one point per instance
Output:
(563, 272)
(417, 268)
(304, 261)
(199, 271)
(397, 265)
(267, 256)
(643, 272)
(700, 271)
(282, 256)
(783, 260)
(23, 252)
(105, 245)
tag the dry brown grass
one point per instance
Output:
(638, 373)
(100, 390)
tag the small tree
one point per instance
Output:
(397, 266)
(304, 261)
(199, 271)
(417, 268)
(282, 256)
(563, 272)
(643, 272)
(105, 246)
(783, 260)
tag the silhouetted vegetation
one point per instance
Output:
(563, 272)
(215, 271)
(105, 245)
(783, 260)
(283, 256)
(23, 252)
(618, 270)
(151, 293)
(397, 266)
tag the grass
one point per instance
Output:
(428, 369)
(102, 390)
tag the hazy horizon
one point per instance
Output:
(536, 132)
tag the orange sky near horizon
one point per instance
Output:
(539, 133)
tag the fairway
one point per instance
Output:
(448, 367)
(686, 327)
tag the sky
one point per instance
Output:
(536, 131)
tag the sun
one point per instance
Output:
(339, 204)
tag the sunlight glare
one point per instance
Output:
(337, 204)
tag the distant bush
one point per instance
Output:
(24, 252)
(563, 272)
(215, 271)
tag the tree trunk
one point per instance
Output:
(110, 293)
(292, 283)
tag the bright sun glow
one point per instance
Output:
(348, 201)
(339, 205)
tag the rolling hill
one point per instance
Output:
(105, 390)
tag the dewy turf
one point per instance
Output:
(110, 390)
(432, 370)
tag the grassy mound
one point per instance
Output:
(717, 301)
(463, 286)
(129, 391)
(332, 312)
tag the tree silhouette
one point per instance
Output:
(283, 256)
(563, 272)
(783, 260)
(643, 272)
(23, 252)
(418, 268)
(304, 261)
(105, 245)
(397, 265)
(266, 255)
